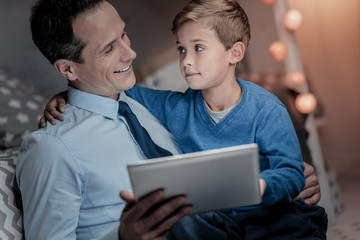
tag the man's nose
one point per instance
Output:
(127, 53)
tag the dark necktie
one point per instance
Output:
(150, 149)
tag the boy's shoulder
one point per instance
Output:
(256, 92)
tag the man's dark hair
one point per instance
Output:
(51, 27)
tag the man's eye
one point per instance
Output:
(123, 35)
(198, 48)
(109, 49)
(181, 50)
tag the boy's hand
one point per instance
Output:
(53, 109)
(151, 217)
(262, 184)
(311, 192)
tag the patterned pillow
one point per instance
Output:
(20, 110)
(10, 214)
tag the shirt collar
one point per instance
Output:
(105, 106)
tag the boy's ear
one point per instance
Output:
(65, 68)
(237, 52)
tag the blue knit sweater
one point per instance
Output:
(259, 117)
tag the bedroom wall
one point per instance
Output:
(148, 32)
(148, 25)
(329, 46)
(19, 56)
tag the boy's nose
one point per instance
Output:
(187, 61)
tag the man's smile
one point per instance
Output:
(125, 69)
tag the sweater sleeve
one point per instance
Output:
(51, 188)
(159, 102)
(280, 150)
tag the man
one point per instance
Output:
(70, 174)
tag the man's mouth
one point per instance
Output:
(123, 70)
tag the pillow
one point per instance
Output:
(20, 110)
(10, 214)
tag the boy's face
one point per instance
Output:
(204, 61)
(107, 68)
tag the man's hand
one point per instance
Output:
(151, 217)
(311, 192)
(54, 109)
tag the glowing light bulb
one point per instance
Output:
(293, 20)
(295, 80)
(305, 103)
(278, 51)
(268, 2)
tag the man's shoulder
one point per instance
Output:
(41, 149)
(48, 146)
(58, 131)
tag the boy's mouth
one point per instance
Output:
(190, 74)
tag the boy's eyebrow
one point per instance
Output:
(195, 40)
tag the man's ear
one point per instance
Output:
(237, 52)
(65, 68)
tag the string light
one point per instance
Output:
(278, 51)
(268, 2)
(305, 103)
(295, 80)
(293, 20)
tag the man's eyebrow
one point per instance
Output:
(107, 45)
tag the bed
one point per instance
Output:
(20, 109)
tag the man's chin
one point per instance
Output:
(130, 82)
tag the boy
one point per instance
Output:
(219, 110)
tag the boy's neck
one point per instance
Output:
(223, 97)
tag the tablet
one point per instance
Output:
(212, 180)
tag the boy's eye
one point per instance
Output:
(198, 48)
(181, 50)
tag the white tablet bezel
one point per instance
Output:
(212, 180)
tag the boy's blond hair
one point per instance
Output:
(226, 17)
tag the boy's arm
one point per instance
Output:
(311, 192)
(280, 151)
(51, 187)
(159, 102)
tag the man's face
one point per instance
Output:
(107, 57)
